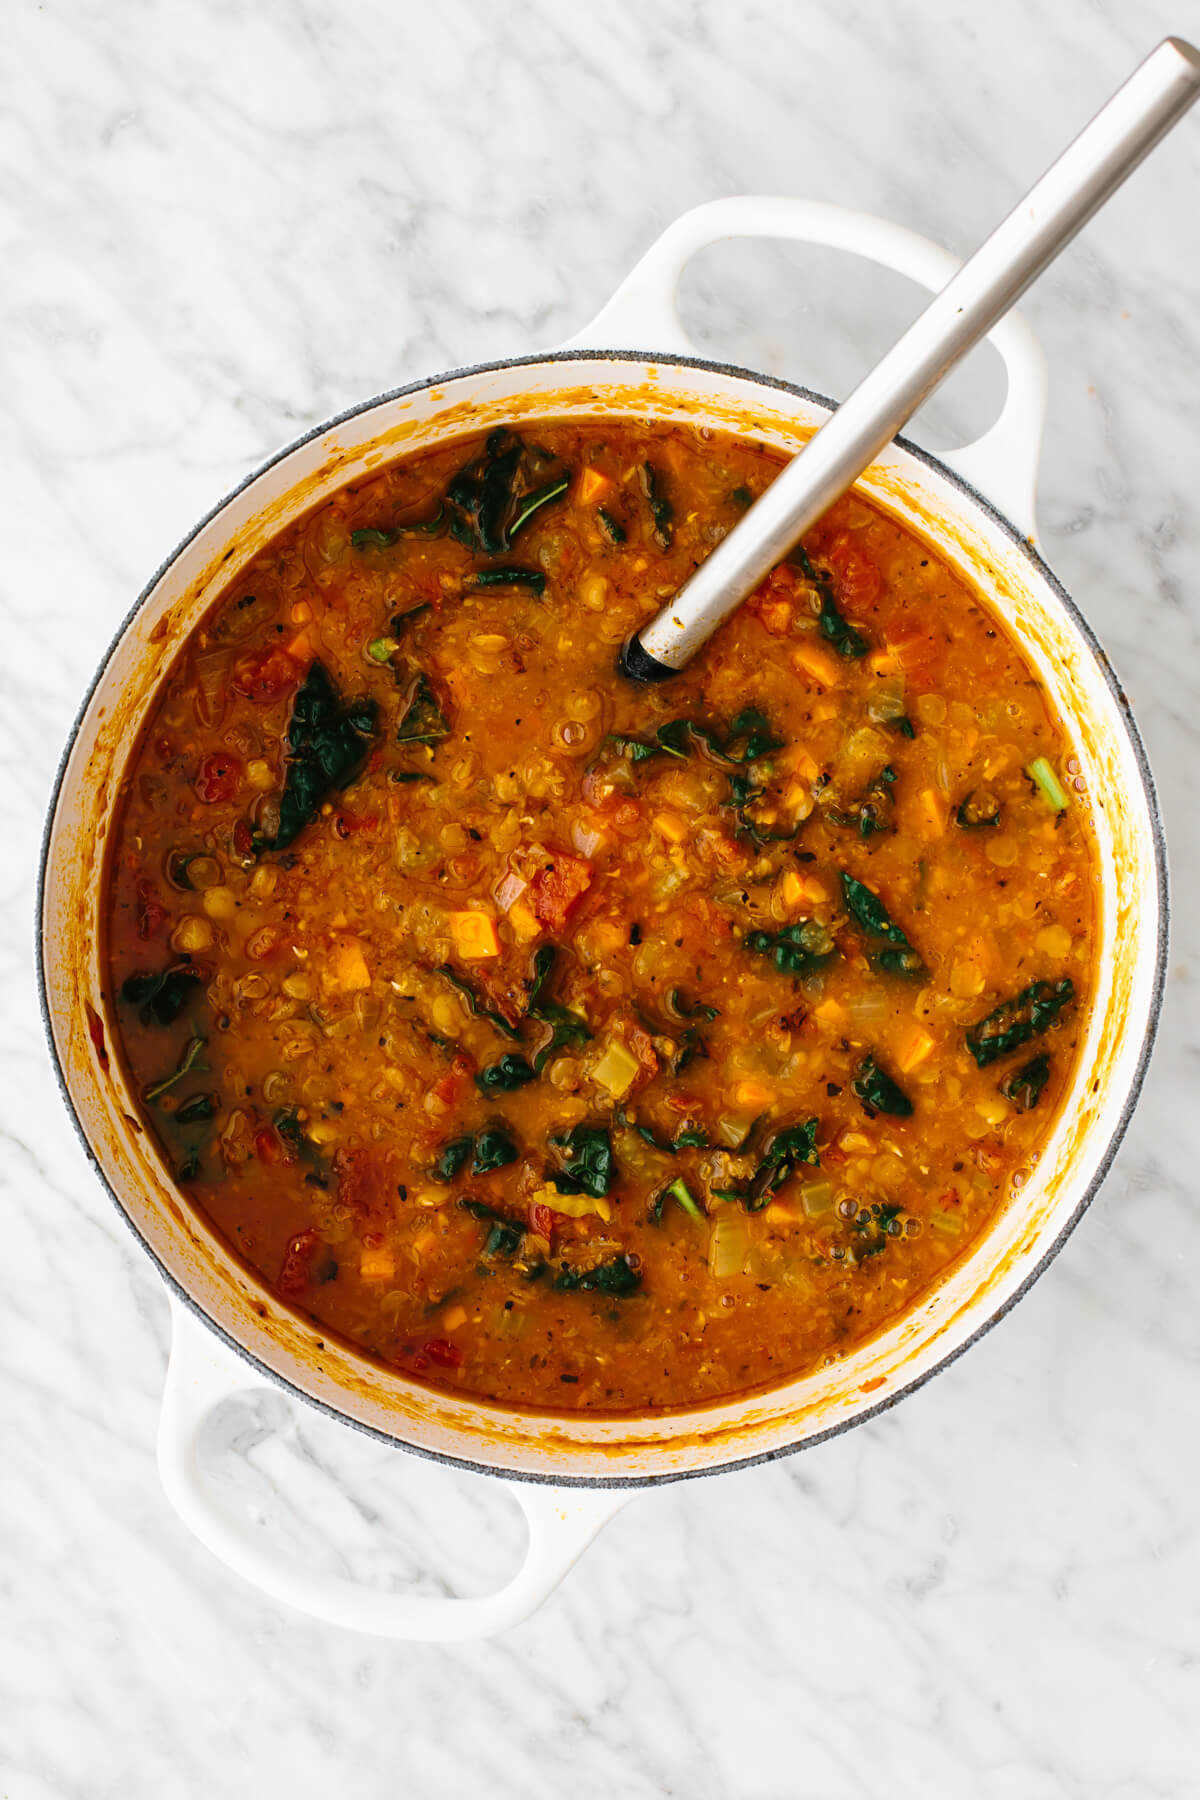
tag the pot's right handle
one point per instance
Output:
(201, 1374)
(642, 315)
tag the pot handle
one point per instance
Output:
(642, 315)
(201, 1374)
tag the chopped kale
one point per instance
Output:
(661, 510)
(533, 579)
(979, 808)
(327, 743)
(452, 1158)
(872, 916)
(1024, 1086)
(588, 1166)
(497, 493)
(474, 1004)
(614, 530)
(1015, 1021)
(797, 949)
(617, 1278)
(505, 1076)
(161, 998)
(493, 1150)
(793, 1147)
(505, 1235)
(834, 628)
(877, 1091)
(422, 721)
(567, 1029)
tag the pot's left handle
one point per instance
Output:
(201, 1374)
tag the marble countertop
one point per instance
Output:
(223, 224)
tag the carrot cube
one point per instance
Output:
(594, 487)
(474, 934)
(811, 659)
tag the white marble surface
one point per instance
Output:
(222, 223)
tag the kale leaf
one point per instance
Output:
(494, 495)
(1015, 1021)
(834, 628)
(588, 1163)
(872, 916)
(616, 1278)
(161, 998)
(798, 949)
(327, 743)
(878, 1092)
(1024, 1086)
(505, 1076)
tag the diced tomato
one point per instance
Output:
(269, 1147)
(218, 778)
(858, 581)
(262, 675)
(640, 1043)
(164, 749)
(442, 1352)
(450, 1088)
(243, 838)
(366, 1181)
(541, 1219)
(150, 911)
(556, 888)
(295, 1273)
(345, 824)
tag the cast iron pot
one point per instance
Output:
(572, 1472)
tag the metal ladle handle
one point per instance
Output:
(1143, 110)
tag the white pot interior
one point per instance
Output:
(970, 538)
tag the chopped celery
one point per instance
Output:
(1039, 771)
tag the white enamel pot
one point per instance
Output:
(572, 1472)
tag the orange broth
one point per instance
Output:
(575, 1044)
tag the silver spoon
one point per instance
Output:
(1143, 110)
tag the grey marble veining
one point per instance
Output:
(222, 224)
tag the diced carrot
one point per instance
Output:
(453, 1317)
(376, 1262)
(912, 1047)
(933, 811)
(474, 934)
(671, 826)
(350, 971)
(883, 661)
(829, 1012)
(594, 487)
(811, 659)
(754, 1093)
(299, 646)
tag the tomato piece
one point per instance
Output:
(541, 1219)
(269, 1147)
(218, 778)
(243, 838)
(450, 1088)
(366, 1181)
(263, 675)
(442, 1352)
(295, 1273)
(150, 911)
(557, 888)
(858, 581)
(345, 824)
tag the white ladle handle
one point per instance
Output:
(1155, 98)
(202, 1373)
(642, 315)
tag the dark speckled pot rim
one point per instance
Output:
(1040, 568)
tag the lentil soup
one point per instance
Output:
(573, 1044)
